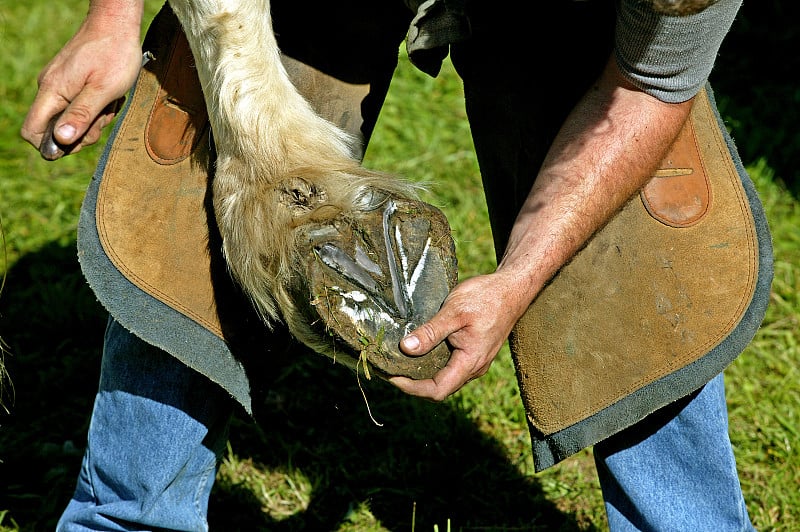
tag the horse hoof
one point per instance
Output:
(375, 274)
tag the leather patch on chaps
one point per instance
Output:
(623, 328)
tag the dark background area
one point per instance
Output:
(757, 83)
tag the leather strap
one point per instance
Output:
(679, 194)
(178, 117)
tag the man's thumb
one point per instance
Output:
(422, 340)
(76, 119)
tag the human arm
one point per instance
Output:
(606, 150)
(92, 71)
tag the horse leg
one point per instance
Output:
(347, 257)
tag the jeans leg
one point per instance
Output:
(155, 436)
(675, 470)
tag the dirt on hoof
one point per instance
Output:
(376, 275)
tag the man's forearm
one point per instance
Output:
(606, 151)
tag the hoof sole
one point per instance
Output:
(376, 275)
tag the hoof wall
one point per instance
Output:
(375, 275)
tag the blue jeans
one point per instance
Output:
(158, 429)
(155, 437)
(674, 470)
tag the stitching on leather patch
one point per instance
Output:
(679, 193)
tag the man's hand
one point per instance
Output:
(476, 318)
(82, 85)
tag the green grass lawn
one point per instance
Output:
(315, 460)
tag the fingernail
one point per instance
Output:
(66, 132)
(410, 342)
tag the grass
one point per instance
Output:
(315, 460)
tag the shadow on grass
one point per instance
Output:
(313, 420)
(53, 327)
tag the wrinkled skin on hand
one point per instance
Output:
(82, 87)
(475, 319)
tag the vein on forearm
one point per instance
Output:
(607, 149)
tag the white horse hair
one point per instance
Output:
(279, 164)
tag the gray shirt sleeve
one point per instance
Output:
(670, 58)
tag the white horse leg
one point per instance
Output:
(292, 203)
